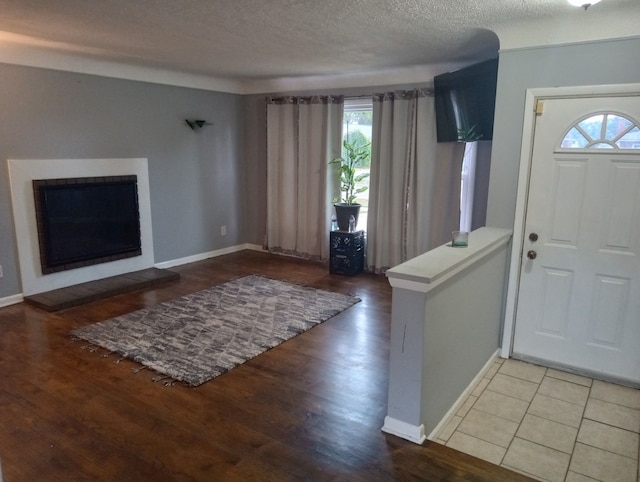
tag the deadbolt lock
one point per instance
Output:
(533, 237)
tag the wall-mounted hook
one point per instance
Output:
(196, 124)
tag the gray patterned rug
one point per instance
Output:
(202, 335)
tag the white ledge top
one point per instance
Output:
(423, 272)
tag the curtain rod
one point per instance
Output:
(283, 98)
(353, 97)
(429, 91)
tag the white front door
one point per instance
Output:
(578, 302)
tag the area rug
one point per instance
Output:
(202, 335)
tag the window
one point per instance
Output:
(603, 131)
(467, 183)
(356, 128)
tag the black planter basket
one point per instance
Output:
(344, 212)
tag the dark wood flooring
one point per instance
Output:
(310, 409)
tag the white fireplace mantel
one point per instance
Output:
(21, 174)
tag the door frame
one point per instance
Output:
(526, 151)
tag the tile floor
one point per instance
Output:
(549, 424)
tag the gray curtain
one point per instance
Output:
(414, 196)
(303, 135)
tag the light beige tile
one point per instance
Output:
(525, 371)
(612, 414)
(563, 390)
(490, 428)
(476, 447)
(492, 371)
(441, 442)
(606, 437)
(548, 433)
(569, 377)
(513, 387)
(501, 405)
(530, 476)
(466, 406)
(573, 477)
(602, 465)
(482, 384)
(537, 460)
(450, 428)
(610, 392)
(556, 410)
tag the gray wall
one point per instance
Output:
(196, 178)
(461, 333)
(597, 63)
(201, 180)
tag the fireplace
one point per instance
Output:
(22, 173)
(86, 221)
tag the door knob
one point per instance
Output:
(532, 254)
(533, 237)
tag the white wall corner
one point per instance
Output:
(412, 433)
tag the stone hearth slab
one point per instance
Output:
(82, 293)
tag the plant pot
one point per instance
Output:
(344, 212)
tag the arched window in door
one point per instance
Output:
(608, 130)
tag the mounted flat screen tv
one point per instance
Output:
(465, 99)
(85, 221)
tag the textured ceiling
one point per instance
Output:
(253, 40)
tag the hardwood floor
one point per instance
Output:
(310, 409)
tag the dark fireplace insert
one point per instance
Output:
(86, 221)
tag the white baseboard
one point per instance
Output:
(405, 430)
(207, 255)
(18, 298)
(11, 300)
(461, 399)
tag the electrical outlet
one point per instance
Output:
(1, 275)
(223, 230)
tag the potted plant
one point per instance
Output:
(469, 135)
(356, 154)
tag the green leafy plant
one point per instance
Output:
(358, 139)
(469, 135)
(356, 155)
